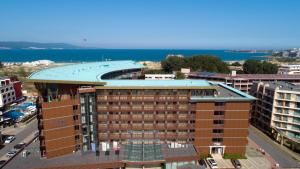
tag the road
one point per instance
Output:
(27, 130)
(284, 159)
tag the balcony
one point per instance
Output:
(102, 117)
(171, 117)
(183, 117)
(137, 117)
(149, 98)
(149, 127)
(114, 117)
(125, 117)
(149, 136)
(125, 107)
(160, 107)
(136, 98)
(160, 126)
(183, 135)
(125, 127)
(148, 117)
(171, 126)
(101, 108)
(102, 127)
(137, 127)
(160, 117)
(114, 136)
(137, 108)
(183, 126)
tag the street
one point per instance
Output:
(27, 130)
(284, 159)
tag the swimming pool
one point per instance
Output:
(13, 114)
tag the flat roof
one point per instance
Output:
(84, 72)
(244, 76)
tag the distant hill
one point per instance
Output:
(36, 45)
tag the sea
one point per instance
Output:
(90, 55)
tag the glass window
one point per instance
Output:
(83, 119)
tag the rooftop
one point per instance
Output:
(243, 76)
(89, 72)
(283, 86)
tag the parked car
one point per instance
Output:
(202, 163)
(2, 162)
(9, 139)
(11, 153)
(212, 163)
(19, 146)
(236, 163)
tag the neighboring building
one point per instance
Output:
(289, 70)
(277, 109)
(10, 91)
(159, 76)
(244, 82)
(80, 111)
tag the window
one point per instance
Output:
(81, 99)
(82, 109)
(75, 117)
(219, 113)
(83, 119)
(218, 131)
(219, 104)
(77, 137)
(75, 107)
(218, 121)
(76, 127)
(217, 140)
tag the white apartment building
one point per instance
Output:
(159, 76)
(289, 69)
(277, 108)
(7, 92)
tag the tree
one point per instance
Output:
(269, 68)
(195, 63)
(252, 67)
(22, 72)
(180, 75)
(236, 64)
(257, 67)
(173, 63)
(1, 65)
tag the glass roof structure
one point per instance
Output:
(142, 151)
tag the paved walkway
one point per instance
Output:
(272, 149)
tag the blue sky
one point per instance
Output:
(196, 24)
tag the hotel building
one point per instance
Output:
(289, 69)
(277, 109)
(93, 107)
(244, 82)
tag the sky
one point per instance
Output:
(159, 24)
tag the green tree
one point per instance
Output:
(269, 68)
(236, 64)
(180, 75)
(1, 65)
(195, 63)
(252, 67)
(173, 63)
(22, 72)
(257, 67)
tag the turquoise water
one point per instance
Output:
(86, 55)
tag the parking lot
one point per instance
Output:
(254, 160)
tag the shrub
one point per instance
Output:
(234, 156)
